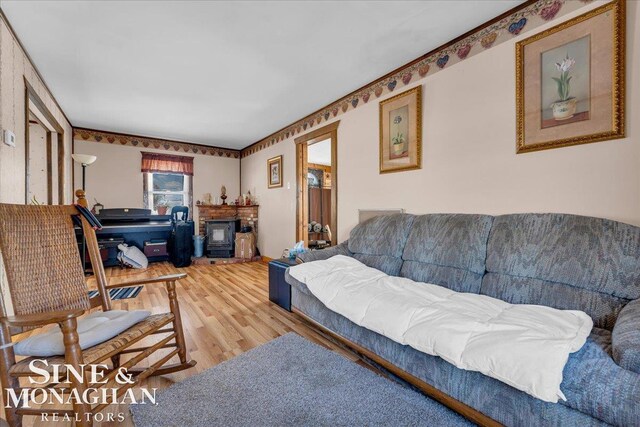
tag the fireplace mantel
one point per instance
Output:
(248, 215)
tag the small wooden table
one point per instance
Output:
(279, 289)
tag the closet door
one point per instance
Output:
(315, 200)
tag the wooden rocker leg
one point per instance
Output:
(179, 338)
(8, 382)
(180, 343)
(177, 321)
(73, 357)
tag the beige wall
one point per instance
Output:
(116, 181)
(469, 161)
(277, 205)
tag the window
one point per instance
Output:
(167, 181)
(166, 189)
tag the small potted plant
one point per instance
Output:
(162, 206)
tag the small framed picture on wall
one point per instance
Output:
(274, 172)
(401, 131)
(570, 81)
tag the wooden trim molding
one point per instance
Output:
(302, 194)
(521, 19)
(31, 97)
(466, 411)
(93, 135)
(302, 189)
(318, 134)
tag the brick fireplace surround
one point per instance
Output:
(248, 215)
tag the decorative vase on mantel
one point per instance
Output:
(223, 195)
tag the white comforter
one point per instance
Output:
(525, 346)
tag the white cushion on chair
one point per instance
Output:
(93, 329)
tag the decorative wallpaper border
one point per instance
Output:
(490, 35)
(92, 135)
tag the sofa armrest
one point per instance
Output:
(341, 249)
(625, 338)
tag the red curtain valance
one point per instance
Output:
(154, 162)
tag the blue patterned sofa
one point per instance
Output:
(558, 260)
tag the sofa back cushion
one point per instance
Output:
(447, 250)
(564, 261)
(379, 241)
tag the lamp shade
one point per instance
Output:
(84, 159)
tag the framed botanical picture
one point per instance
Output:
(274, 172)
(401, 131)
(570, 81)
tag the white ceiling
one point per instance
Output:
(224, 73)
(320, 152)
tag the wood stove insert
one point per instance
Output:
(221, 236)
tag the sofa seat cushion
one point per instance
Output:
(494, 398)
(447, 250)
(93, 329)
(295, 283)
(526, 346)
(602, 308)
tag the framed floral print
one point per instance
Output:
(570, 81)
(274, 172)
(401, 131)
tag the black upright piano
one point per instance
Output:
(132, 226)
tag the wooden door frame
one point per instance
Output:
(31, 97)
(302, 189)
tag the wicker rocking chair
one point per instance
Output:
(47, 286)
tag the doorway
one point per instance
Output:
(44, 153)
(38, 188)
(317, 187)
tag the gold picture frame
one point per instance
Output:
(401, 132)
(274, 172)
(563, 96)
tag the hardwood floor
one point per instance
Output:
(225, 311)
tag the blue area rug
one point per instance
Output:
(291, 382)
(120, 293)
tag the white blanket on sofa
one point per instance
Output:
(525, 346)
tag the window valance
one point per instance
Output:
(167, 163)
